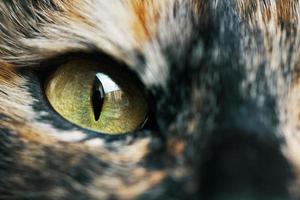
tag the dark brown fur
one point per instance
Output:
(224, 81)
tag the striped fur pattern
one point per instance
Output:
(224, 82)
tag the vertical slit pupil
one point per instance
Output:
(97, 98)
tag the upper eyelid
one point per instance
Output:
(47, 66)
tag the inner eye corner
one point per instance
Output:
(91, 96)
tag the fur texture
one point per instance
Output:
(224, 82)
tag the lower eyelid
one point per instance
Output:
(124, 109)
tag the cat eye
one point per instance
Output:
(97, 97)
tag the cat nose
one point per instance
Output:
(239, 164)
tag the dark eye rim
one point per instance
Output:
(39, 73)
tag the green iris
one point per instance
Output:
(97, 97)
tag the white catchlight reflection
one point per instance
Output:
(108, 84)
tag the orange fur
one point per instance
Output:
(145, 18)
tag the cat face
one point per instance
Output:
(220, 78)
